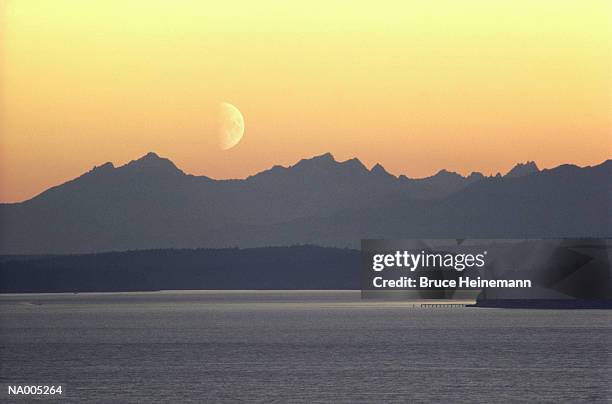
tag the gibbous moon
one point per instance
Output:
(231, 126)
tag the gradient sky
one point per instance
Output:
(471, 85)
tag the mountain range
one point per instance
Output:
(150, 203)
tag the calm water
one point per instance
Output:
(299, 346)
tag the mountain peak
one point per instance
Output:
(152, 162)
(104, 167)
(380, 171)
(354, 164)
(474, 177)
(446, 174)
(323, 157)
(522, 169)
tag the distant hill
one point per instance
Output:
(149, 203)
(299, 267)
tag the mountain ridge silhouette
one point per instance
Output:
(151, 203)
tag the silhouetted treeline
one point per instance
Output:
(299, 267)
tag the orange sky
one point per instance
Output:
(415, 85)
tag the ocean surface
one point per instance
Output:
(299, 347)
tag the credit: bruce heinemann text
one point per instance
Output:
(440, 261)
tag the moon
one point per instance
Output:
(231, 126)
